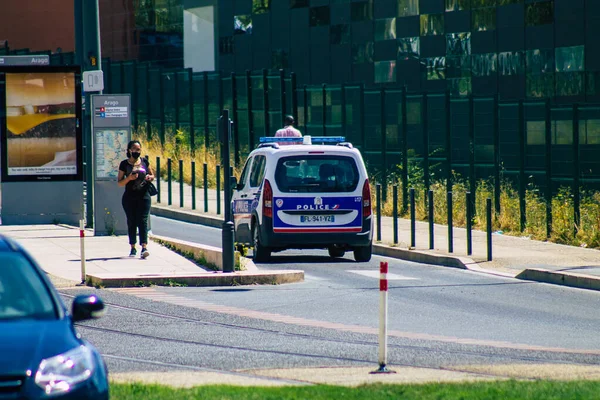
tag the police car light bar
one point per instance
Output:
(304, 140)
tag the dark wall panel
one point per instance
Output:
(568, 15)
(320, 55)
(261, 41)
(300, 51)
(341, 63)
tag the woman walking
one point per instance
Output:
(135, 173)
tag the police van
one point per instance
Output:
(304, 193)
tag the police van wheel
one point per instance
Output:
(363, 254)
(336, 252)
(260, 252)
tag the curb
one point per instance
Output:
(420, 257)
(580, 281)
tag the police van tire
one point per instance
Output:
(336, 252)
(260, 252)
(363, 253)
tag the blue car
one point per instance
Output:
(41, 354)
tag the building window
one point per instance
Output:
(362, 11)
(483, 19)
(458, 5)
(539, 69)
(260, 6)
(484, 64)
(510, 63)
(435, 68)
(458, 67)
(569, 59)
(409, 48)
(362, 53)
(242, 25)
(458, 44)
(339, 34)
(483, 3)
(385, 71)
(540, 13)
(226, 45)
(432, 24)
(406, 8)
(319, 16)
(593, 83)
(459, 87)
(279, 59)
(385, 29)
(298, 3)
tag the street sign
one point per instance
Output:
(25, 60)
(93, 81)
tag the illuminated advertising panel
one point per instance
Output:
(41, 135)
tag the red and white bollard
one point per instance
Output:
(383, 313)
(82, 250)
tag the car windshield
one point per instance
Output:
(311, 173)
(23, 293)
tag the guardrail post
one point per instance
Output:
(378, 205)
(169, 183)
(412, 218)
(450, 223)
(205, 186)
(395, 211)
(157, 178)
(488, 204)
(469, 222)
(218, 189)
(431, 218)
(193, 185)
(180, 183)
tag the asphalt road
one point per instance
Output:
(438, 317)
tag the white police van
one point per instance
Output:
(304, 193)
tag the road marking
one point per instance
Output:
(375, 275)
(154, 295)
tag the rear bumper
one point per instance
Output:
(315, 240)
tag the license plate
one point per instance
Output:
(316, 218)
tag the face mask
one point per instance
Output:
(135, 155)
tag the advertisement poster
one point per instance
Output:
(41, 124)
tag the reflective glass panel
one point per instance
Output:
(593, 83)
(484, 64)
(385, 29)
(535, 132)
(459, 87)
(483, 19)
(242, 25)
(540, 13)
(435, 68)
(432, 24)
(408, 7)
(562, 132)
(319, 16)
(569, 59)
(340, 34)
(260, 6)
(510, 63)
(569, 83)
(483, 3)
(458, 66)
(539, 61)
(589, 131)
(457, 5)
(385, 71)
(539, 85)
(362, 52)
(458, 44)
(408, 48)
(362, 11)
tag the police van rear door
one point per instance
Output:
(317, 193)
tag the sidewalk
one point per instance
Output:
(511, 256)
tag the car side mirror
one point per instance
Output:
(87, 307)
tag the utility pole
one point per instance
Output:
(88, 56)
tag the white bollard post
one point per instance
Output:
(383, 312)
(82, 250)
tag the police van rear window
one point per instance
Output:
(314, 174)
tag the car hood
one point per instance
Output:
(23, 344)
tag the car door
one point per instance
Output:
(242, 205)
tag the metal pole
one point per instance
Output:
(234, 117)
(205, 185)
(450, 223)
(412, 218)
(383, 316)
(378, 200)
(472, 180)
(191, 110)
(448, 121)
(548, 169)
(206, 130)
(469, 222)
(425, 122)
(169, 183)
(576, 170)
(404, 154)
(496, 132)
(82, 249)
(180, 183)
(218, 189)
(383, 144)
(228, 227)
(522, 187)
(158, 179)
(395, 212)
(488, 205)
(431, 218)
(193, 185)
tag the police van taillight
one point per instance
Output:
(267, 200)
(366, 199)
